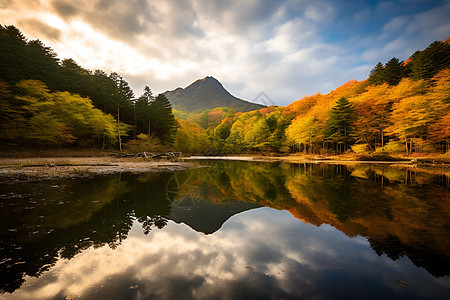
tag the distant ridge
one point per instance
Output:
(207, 93)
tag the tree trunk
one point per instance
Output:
(118, 126)
(103, 141)
(406, 146)
(134, 122)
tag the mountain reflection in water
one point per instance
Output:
(365, 230)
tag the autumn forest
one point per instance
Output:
(401, 109)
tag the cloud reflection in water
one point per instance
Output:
(259, 254)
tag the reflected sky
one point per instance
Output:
(258, 254)
(233, 230)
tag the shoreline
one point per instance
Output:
(34, 168)
(26, 169)
(325, 160)
(293, 159)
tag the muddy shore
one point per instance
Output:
(76, 167)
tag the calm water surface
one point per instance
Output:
(232, 230)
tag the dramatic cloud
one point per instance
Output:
(285, 48)
(40, 28)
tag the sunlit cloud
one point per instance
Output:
(285, 48)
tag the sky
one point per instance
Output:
(285, 49)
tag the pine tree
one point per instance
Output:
(339, 127)
(142, 110)
(376, 74)
(125, 97)
(394, 71)
(391, 73)
(162, 120)
(425, 64)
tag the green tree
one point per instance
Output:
(425, 64)
(258, 136)
(102, 89)
(13, 122)
(394, 71)
(22, 59)
(278, 137)
(391, 73)
(162, 121)
(124, 97)
(58, 118)
(223, 131)
(142, 111)
(376, 75)
(339, 127)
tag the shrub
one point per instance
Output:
(144, 143)
(360, 148)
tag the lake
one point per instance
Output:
(230, 230)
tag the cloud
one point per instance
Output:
(5, 3)
(285, 48)
(405, 34)
(65, 9)
(117, 19)
(40, 28)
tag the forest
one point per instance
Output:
(45, 102)
(402, 108)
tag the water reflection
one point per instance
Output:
(106, 226)
(402, 211)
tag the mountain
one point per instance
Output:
(207, 93)
(208, 217)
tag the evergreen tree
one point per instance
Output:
(391, 73)
(101, 92)
(339, 127)
(162, 121)
(377, 74)
(425, 64)
(74, 78)
(124, 97)
(22, 59)
(43, 64)
(142, 111)
(394, 71)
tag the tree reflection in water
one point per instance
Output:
(45, 221)
(401, 211)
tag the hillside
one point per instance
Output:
(401, 109)
(207, 93)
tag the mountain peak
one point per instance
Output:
(209, 78)
(207, 93)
